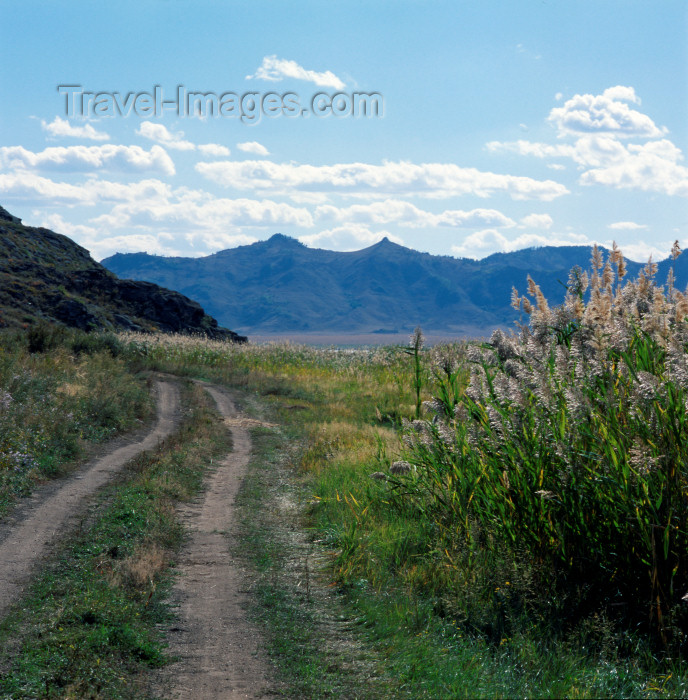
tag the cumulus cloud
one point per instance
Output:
(275, 69)
(161, 134)
(626, 226)
(153, 243)
(62, 127)
(531, 148)
(608, 113)
(214, 149)
(432, 180)
(483, 243)
(640, 251)
(219, 241)
(348, 237)
(601, 127)
(402, 213)
(132, 159)
(537, 221)
(56, 223)
(30, 187)
(653, 167)
(253, 147)
(183, 211)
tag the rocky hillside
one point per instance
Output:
(45, 276)
(280, 286)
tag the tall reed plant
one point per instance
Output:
(569, 447)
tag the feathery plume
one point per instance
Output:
(675, 250)
(607, 275)
(614, 255)
(650, 269)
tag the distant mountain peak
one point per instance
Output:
(279, 239)
(281, 286)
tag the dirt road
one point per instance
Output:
(28, 538)
(217, 647)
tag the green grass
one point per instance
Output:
(436, 618)
(68, 394)
(305, 624)
(364, 587)
(88, 626)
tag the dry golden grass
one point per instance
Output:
(142, 567)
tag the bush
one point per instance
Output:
(570, 448)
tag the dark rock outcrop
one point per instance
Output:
(45, 276)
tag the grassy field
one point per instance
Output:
(503, 519)
(89, 625)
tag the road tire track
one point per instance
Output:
(27, 541)
(218, 649)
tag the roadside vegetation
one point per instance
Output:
(60, 392)
(500, 519)
(90, 624)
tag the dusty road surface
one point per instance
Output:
(28, 539)
(217, 647)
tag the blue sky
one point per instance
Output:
(504, 125)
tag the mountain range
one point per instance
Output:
(47, 277)
(282, 286)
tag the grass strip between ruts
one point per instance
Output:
(89, 624)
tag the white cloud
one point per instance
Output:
(347, 238)
(432, 180)
(181, 212)
(214, 241)
(275, 69)
(531, 148)
(87, 158)
(30, 187)
(483, 243)
(214, 149)
(626, 226)
(652, 166)
(408, 215)
(608, 113)
(160, 134)
(537, 221)
(61, 127)
(56, 223)
(602, 126)
(641, 251)
(155, 244)
(253, 147)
